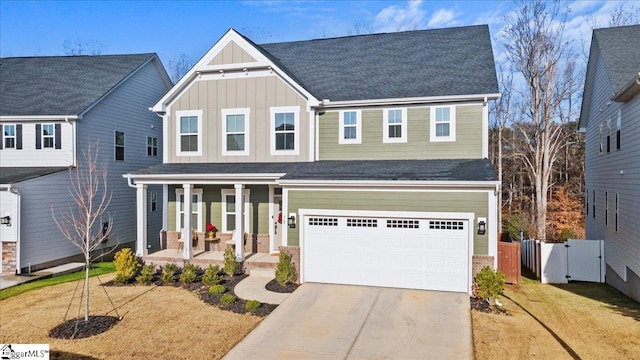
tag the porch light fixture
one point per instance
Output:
(482, 227)
(291, 221)
(5, 220)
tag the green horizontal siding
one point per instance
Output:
(468, 144)
(212, 207)
(475, 202)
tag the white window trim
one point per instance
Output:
(5, 137)
(246, 194)
(240, 111)
(152, 146)
(296, 123)
(452, 125)
(385, 128)
(153, 198)
(179, 114)
(198, 194)
(358, 125)
(52, 136)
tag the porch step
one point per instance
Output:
(263, 272)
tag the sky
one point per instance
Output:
(173, 28)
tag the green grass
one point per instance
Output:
(97, 269)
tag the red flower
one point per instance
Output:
(211, 227)
(280, 217)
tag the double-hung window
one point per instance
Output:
(152, 146)
(618, 127)
(189, 132)
(350, 127)
(235, 137)
(48, 136)
(443, 123)
(196, 206)
(609, 135)
(9, 133)
(119, 146)
(395, 126)
(285, 130)
(229, 210)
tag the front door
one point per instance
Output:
(279, 225)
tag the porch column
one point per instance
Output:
(239, 234)
(141, 220)
(186, 221)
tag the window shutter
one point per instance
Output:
(1, 137)
(38, 136)
(19, 136)
(58, 136)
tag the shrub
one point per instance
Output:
(567, 234)
(252, 305)
(230, 263)
(217, 289)
(169, 273)
(146, 274)
(228, 299)
(211, 276)
(490, 284)
(285, 271)
(513, 224)
(189, 273)
(127, 266)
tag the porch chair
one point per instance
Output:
(194, 236)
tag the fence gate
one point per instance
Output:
(585, 260)
(509, 260)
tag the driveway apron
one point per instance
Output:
(326, 321)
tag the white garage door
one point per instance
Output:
(431, 254)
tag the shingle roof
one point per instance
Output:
(60, 85)
(620, 49)
(12, 175)
(398, 170)
(425, 63)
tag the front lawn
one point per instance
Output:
(576, 320)
(158, 322)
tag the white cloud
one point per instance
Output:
(442, 18)
(399, 18)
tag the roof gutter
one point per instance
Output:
(327, 104)
(391, 183)
(25, 118)
(629, 90)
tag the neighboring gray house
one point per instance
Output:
(51, 108)
(611, 119)
(364, 156)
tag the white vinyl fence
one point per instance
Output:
(559, 263)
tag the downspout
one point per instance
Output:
(130, 182)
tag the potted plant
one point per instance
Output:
(211, 231)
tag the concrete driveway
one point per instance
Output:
(325, 321)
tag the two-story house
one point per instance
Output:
(363, 156)
(53, 108)
(610, 116)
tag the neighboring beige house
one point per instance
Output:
(611, 119)
(365, 156)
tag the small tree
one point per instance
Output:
(82, 224)
(285, 271)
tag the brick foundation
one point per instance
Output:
(480, 261)
(8, 258)
(295, 258)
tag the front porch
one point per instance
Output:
(206, 258)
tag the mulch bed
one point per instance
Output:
(275, 286)
(481, 305)
(80, 329)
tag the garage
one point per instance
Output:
(427, 251)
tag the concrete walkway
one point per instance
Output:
(13, 280)
(325, 321)
(253, 287)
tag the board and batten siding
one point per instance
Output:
(126, 109)
(475, 202)
(232, 54)
(616, 172)
(468, 144)
(259, 95)
(44, 157)
(211, 207)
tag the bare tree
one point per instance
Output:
(179, 66)
(533, 40)
(83, 224)
(82, 47)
